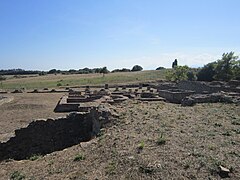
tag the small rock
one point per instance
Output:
(223, 172)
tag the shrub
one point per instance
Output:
(141, 145)
(79, 157)
(34, 157)
(160, 68)
(179, 73)
(59, 84)
(161, 140)
(2, 78)
(191, 76)
(16, 175)
(207, 73)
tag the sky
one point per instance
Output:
(73, 34)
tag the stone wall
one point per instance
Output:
(45, 136)
(174, 95)
(198, 87)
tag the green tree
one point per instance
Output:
(52, 71)
(225, 67)
(160, 68)
(104, 70)
(191, 76)
(175, 63)
(207, 73)
(236, 69)
(137, 68)
(179, 73)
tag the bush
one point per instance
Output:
(137, 68)
(79, 157)
(2, 78)
(207, 73)
(16, 175)
(160, 68)
(191, 76)
(179, 73)
(59, 84)
(121, 70)
(161, 140)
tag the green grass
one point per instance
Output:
(34, 157)
(79, 157)
(141, 145)
(161, 140)
(53, 81)
(16, 175)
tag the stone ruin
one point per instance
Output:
(184, 92)
(83, 100)
(45, 136)
(89, 113)
(189, 93)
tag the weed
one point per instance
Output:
(141, 145)
(237, 131)
(34, 157)
(236, 122)
(16, 175)
(212, 147)
(161, 140)
(210, 134)
(79, 157)
(111, 168)
(217, 124)
(234, 153)
(101, 133)
(213, 166)
(146, 169)
(196, 154)
(227, 133)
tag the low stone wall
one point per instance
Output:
(198, 87)
(174, 95)
(210, 98)
(45, 136)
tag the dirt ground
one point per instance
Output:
(23, 108)
(149, 140)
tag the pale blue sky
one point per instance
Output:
(73, 34)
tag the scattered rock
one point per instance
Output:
(223, 172)
(17, 91)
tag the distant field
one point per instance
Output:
(53, 81)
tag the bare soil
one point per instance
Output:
(149, 140)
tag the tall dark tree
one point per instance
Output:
(175, 63)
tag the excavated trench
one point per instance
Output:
(46, 136)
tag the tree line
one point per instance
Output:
(86, 70)
(224, 69)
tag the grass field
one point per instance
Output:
(53, 81)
